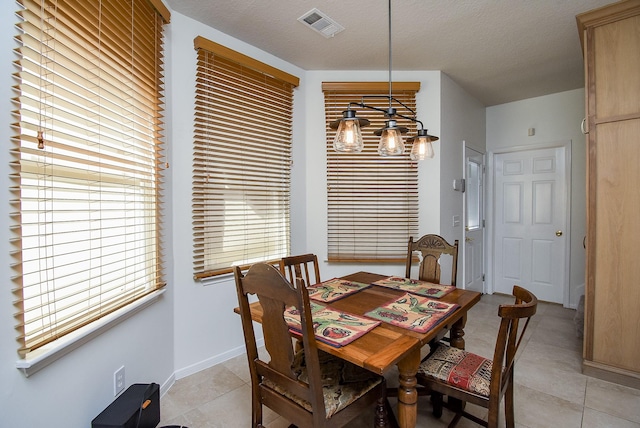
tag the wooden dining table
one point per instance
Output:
(388, 345)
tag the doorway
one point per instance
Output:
(531, 221)
(473, 246)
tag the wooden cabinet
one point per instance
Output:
(611, 42)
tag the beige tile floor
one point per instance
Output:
(550, 388)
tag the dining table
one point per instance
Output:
(388, 345)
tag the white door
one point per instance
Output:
(473, 247)
(530, 222)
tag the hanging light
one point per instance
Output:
(422, 148)
(390, 140)
(349, 134)
(391, 143)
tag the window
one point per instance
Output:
(372, 200)
(242, 160)
(87, 160)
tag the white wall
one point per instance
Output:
(463, 122)
(555, 118)
(71, 391)
(207, 331)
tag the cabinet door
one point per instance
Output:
(616, 71)
(616, 269)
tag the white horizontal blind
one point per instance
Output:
(87, 194)
(372, 200)
(242, 161)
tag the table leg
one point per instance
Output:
(457, 332)
(407, 394)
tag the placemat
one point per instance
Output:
(413, 312)
(331, 326)
(334, 289)
(414, 286)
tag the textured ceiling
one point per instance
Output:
(498, 50)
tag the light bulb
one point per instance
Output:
(348, 137)
(422, 149)
(390, 141)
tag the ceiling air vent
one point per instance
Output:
(321, 23)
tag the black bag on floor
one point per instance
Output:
(137, 407)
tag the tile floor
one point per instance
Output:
(550, 388)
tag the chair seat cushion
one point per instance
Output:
(459, 368)
(342, 382)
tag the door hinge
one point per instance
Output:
(482, 277)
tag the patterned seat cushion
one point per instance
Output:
(342, 382)
(456, 367)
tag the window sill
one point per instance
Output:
(42, 357)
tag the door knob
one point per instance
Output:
(558, 233)
(467, 239)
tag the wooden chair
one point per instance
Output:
(432, 247)
(467, 377)
(292, 383)
(293, 267)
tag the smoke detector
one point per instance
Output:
(320, 22)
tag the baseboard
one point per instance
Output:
(212, 361)
(611, 374)
(167, 384)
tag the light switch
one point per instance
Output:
(456, 220)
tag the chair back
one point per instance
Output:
(275, 293)
(301, 266)
(431, 248)
(509, 339)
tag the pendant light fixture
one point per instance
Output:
(349, 135)
(422, 148)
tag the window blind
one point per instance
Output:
(242, 160)
(86, 160)
(372, 200)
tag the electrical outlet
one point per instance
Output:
(118, 381)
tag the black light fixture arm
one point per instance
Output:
(390, 112)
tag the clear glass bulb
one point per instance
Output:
(391, 143)
(422, 149)
(348, 137)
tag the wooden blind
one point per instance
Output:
(242, 160)
(372, 200)
(86, 161)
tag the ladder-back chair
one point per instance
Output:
(301, 266)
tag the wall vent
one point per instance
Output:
(320, 22)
